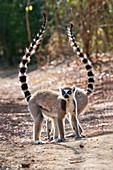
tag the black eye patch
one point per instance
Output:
(69, 92)
(63, 92)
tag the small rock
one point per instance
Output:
(81, 146)
(25, 165)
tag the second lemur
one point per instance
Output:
(75, 97)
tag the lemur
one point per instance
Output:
(42, 102)
(75, 97)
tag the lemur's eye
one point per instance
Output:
(69, 92)
(63, 92)
(78, 94)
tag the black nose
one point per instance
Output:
(66, 96)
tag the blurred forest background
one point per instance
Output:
(20, 20)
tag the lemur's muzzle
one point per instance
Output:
(66, 96)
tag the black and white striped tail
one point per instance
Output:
(84, 59)
(26, 59)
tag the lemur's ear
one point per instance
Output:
(60, 88)
(73, 88)
(60, 92)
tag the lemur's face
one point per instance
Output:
(66, 92)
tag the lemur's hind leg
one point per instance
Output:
(60, 121)
(55, 125)
(37, 124)
(52, 129)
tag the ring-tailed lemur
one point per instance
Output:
(77, 98)
(42, 101)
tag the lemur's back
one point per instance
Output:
(48, 101)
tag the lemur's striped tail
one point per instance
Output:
(84, 59)
(26, 59)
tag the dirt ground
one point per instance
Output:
(17, 150)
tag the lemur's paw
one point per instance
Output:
(61, 140)
(79, 137)
(39, 142)
(58, 140)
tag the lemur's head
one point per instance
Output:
(66, 92)
(74, 92)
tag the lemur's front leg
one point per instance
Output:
(76, 126)
(61, 130)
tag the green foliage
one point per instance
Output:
(13, 24)
(89, 18)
